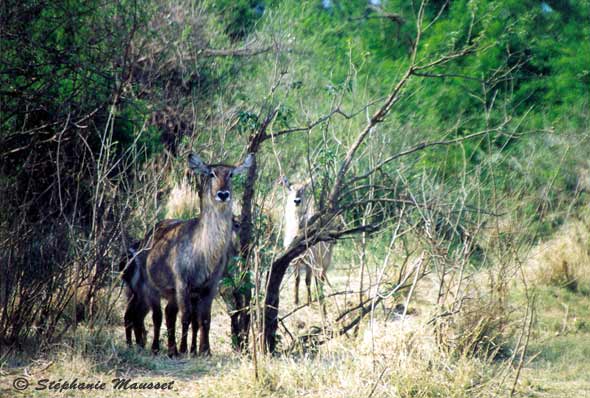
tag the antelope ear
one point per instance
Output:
(235, 223)
(197, 165)
(245, 165)
(284, 182)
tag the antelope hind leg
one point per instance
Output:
(129, 323)
(171, 312)
(157, 320)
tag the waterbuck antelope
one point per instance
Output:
(187, 259)
(142, 296)
(316, 260)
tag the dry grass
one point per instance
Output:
(183, 201)
(563, 260)
(388, 357)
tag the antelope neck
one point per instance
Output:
(215, 229)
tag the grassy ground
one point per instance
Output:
(559, 353)
(388, 357)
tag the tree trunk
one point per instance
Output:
(271, 301)
(240, 319)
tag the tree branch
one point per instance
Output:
(378, 116)
(234, 52)
(424, 145)
(451, 75)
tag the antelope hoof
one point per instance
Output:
(205, 353)
(172, 352)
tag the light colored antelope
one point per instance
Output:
(186, 259)
(316, 260)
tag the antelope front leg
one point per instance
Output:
(204, 320)
(297, 280)
(319, 285)
(308, 275)
(195, 328)
(171, 312)
(186, 310)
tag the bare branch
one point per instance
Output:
(381, 14)
(424, 145)
(305, 128)
(451, 75)
(445, 58)
(234, 52)
(378, 116)
(325, 118)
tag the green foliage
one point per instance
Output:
(239, 17)
(235, 279)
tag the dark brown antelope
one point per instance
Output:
(142, 296)
(316, 260)
(187, 258)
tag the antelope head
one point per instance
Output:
(215, 188)
(297, 195)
